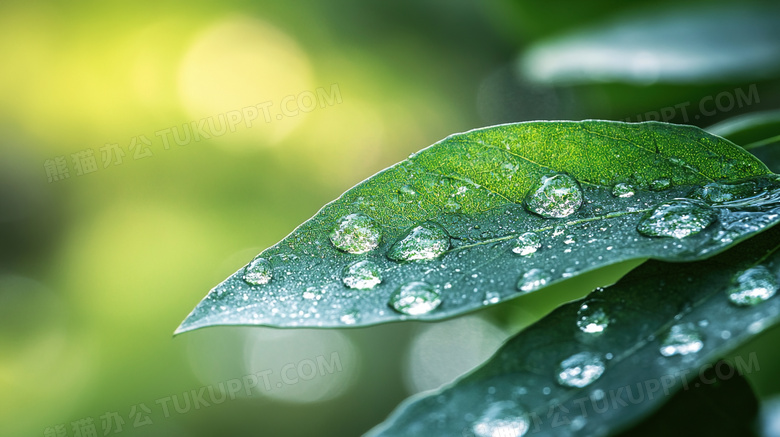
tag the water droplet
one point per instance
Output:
(491, 297)
(718, 192)
(555, 196)
(682, 339)
(415, 298)
(502, 419)
(424, 242)
(527, 244)
(313, 293)
(350, 318)
(258, 272)
(533, 279)
(451, 206)
(660, 184)
(407, 194)
(592, 318)
(580, 369)
(362, 275)
(356, 233)
(678, 218)
(569, 240)
(622, 190)
(753, 286)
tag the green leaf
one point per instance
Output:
(689, 44)
(599, 365)
(447, 230)
(719, 392)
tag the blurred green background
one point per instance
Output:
(112, 228)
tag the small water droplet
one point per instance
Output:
(415, 298)
(660, 184)
(502, 419)
(313, 293)
(350, 318)
(753, 286)
(356, 233)
(258, 272)
(533, 279)
(678, 218)
(592, 318)
(682, 339)
(361, 275)
(554, 196)
(407, 194)
(491, 297)
(451, 206)
(527, 244)
(424, 242)
(569, 240)
(579, 370)
(622, 190)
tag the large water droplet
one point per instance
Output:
(502, 419)
(527, 244)
(622, 190)
(415, 298)
(678, 218)
(533, 279)
(682, 339)
(592, 318)
(753, 286)
(555, 196)
(362, 275)
(426, 241)
(356, 233)
(258, 272)
(580, 369)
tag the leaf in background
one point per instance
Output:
(714, 43)
(758, 132)
(719, 391)
(487, 215)
(599, 365)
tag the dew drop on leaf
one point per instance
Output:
(356, 233)
(622, 190)
(527, 244)
(682, 339)
(415, 298)
(313, 293)
(532, 280)
(579, 370)
(678, 218)
(424, 242)
(554, 196)
(753, 286)
(660, 184)
(361, 275)
(350, 318)
(502, 419)
(258, 272)
(592, 318)
(491, 297)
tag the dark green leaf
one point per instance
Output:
(645, 338)
(719, 392)
(458, 213)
